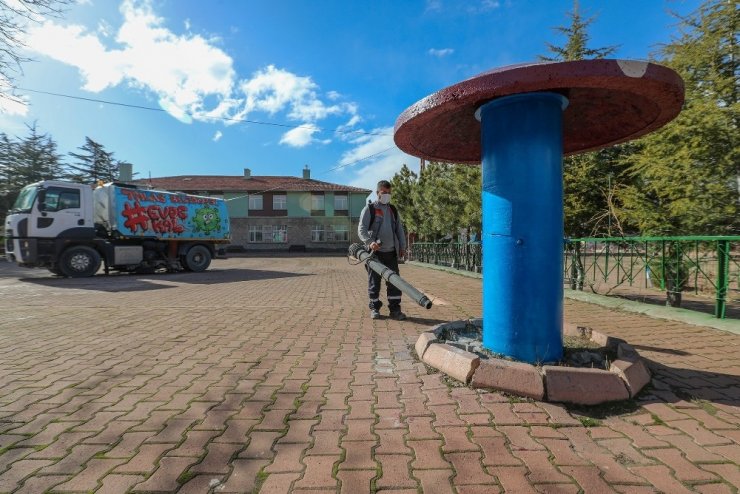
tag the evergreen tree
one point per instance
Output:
(467, 184)
(26, 160)
(92, 164)
(403, 183)
(589, 179)
(8, 191)
(687, 174)
(576, 45)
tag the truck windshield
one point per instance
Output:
(25, 199)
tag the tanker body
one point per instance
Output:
(71, 229)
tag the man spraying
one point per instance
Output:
(381, 231)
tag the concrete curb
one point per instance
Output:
(584, 386)
(655, 311)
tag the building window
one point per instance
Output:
(341, 233)
(255, 201)
(275, 234)
(255, 233)
(317, 202)
(318, 234)
(278, 234)
(280, 202)
(341, 203)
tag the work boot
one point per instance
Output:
(398, 315)
(374, 314)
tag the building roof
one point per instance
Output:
(226, 183)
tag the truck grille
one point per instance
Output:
(8, 240)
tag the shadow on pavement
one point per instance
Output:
(426, 321)
(670, 351)
(732, 311)
(673, 385)
(122, 282)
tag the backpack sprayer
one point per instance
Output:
(359, 252)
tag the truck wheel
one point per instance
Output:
(79, 262)
(197, 259)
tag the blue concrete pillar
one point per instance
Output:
(522, 154)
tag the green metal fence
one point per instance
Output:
(466, 257)
(708, 266)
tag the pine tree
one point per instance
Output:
(589, 179)
(26, 160)
(92, 164)
(8, 190)
(403, 183)
(687, 174)
(576, 46)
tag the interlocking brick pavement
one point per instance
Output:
(267, 374)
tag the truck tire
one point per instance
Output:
(79, 262)
(197, 259)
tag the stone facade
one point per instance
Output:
(299, 233)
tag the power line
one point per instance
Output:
(226, 119)
(238, 120)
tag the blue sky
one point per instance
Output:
(319, 65)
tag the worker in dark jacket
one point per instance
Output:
(381, 230)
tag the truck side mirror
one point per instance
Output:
(42, 200)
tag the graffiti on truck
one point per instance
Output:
(169, 215)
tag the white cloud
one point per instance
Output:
(441, 52)
(180, 70)
(184, 71)
(217, 136)
(382, 166)
(300, 136)
(434, 5)
(272, 89)
(10, 104)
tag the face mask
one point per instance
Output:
(385, 198)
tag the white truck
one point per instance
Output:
(70, 229)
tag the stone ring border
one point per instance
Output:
(583, 386)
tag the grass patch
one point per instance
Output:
(706, 406)
(185, 477)
(657, 420)
(589, 422)
(259, 480)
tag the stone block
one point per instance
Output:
(452, 361)
(425, 339)
(606, 341)
(634, 373)
(571, 329)
(512, 377)
(583, 386)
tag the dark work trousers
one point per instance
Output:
(390, 260)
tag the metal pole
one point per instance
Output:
(723, 265)
(521, 150)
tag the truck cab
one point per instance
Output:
(46, 218)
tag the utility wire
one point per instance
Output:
(226, 119)
(238, 120)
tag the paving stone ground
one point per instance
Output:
(266, 374)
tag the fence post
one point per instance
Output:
(662, 266)
(723, 265)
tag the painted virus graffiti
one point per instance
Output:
(206, 220)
